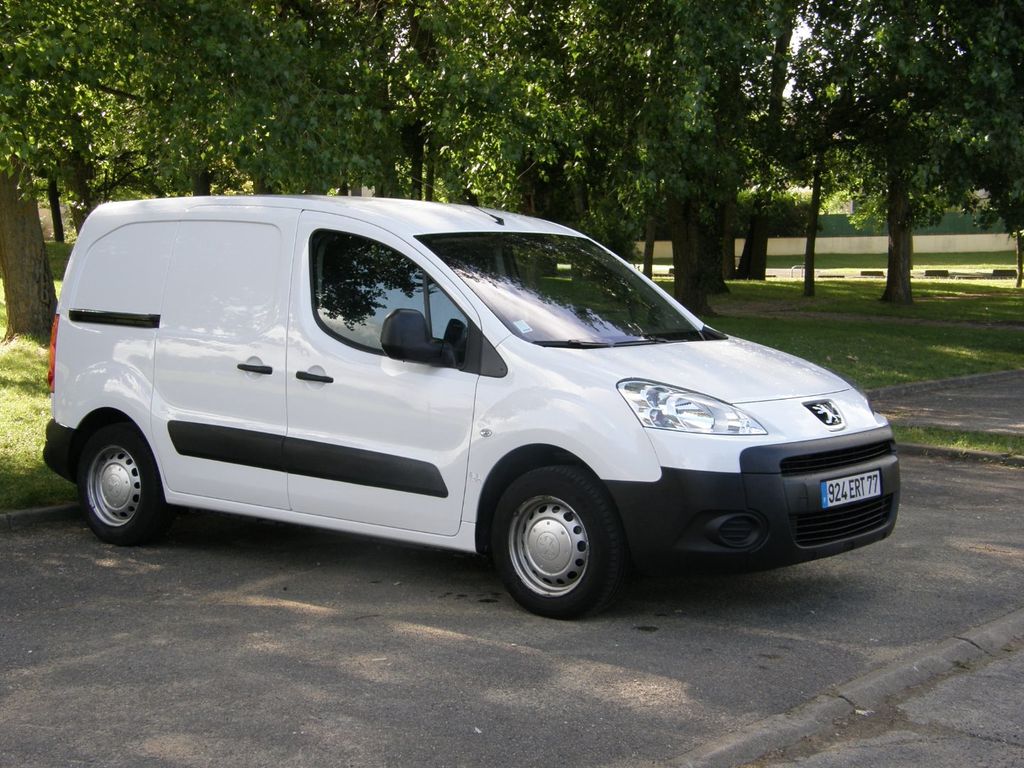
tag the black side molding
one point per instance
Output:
(100, 317)
(234, 446)
(306, 457)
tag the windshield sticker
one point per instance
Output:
(522, 326)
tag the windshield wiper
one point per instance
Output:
(573, 344)
(644, 340)
(692, 335)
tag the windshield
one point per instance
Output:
(558, 290)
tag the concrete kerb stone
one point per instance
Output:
(24, 517)
(767, 735)
(995, 636)
(984, 457)
(865, 692)
(897, 390)
(870, 690)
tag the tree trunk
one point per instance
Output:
(649, 234)
(83, 200)
(201, 183)
(727, 219)
(812, 227)
(414, 142)
(757, 239)
(1020, 257)
(580, 203)
(688, 287)
(901, 245)
(53, 195)
(24, 268)
(431, 163)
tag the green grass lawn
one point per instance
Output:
(24, 411)
(953, 328)
(1007, 445)
(873, 354)
(975, 301)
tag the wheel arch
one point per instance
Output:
(507, 469)
(90, 425)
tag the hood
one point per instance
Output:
(732, 370)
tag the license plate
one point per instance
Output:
(844, 490)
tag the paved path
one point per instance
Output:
(987, 403)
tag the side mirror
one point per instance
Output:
(405, 336)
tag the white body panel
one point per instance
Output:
(230, 281)
(375, 404)
(225, 303)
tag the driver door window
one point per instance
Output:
(358, 282)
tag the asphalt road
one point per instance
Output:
(241, 643)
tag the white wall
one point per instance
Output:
(794, 246)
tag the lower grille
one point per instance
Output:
(825, 526)
(826, 460)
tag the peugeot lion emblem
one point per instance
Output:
(827, 413)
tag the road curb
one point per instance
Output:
(24, 517)
(984, 457)
(865, 692)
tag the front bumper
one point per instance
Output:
(767, 515)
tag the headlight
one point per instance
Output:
(663, 407)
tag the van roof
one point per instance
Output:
(409, 217)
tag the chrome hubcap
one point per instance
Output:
(549, 546)
(115, 486)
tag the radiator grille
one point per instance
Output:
(844, 457)
(824, 526)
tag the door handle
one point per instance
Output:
(307, 376)
(249, 368)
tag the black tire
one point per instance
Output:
(119, 487)
(558, 543)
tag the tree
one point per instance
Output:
(988, 141)
(768, 142)
(28, 282)
(906, 82)
(675, 87)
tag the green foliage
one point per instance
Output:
(586, 111)
(947, 301)
(785, 212)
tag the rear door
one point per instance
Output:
(219, 401)
(370, 439)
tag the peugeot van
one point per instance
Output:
(448, 376)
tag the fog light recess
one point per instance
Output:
(740, 530)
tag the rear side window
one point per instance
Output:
(357, 282)
(204, 294)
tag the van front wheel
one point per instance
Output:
(119, 488)
(558, 543)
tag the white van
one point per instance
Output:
(448, 376)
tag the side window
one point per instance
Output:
(358, 282)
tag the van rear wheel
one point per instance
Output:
(558, 543)
(119, 488)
